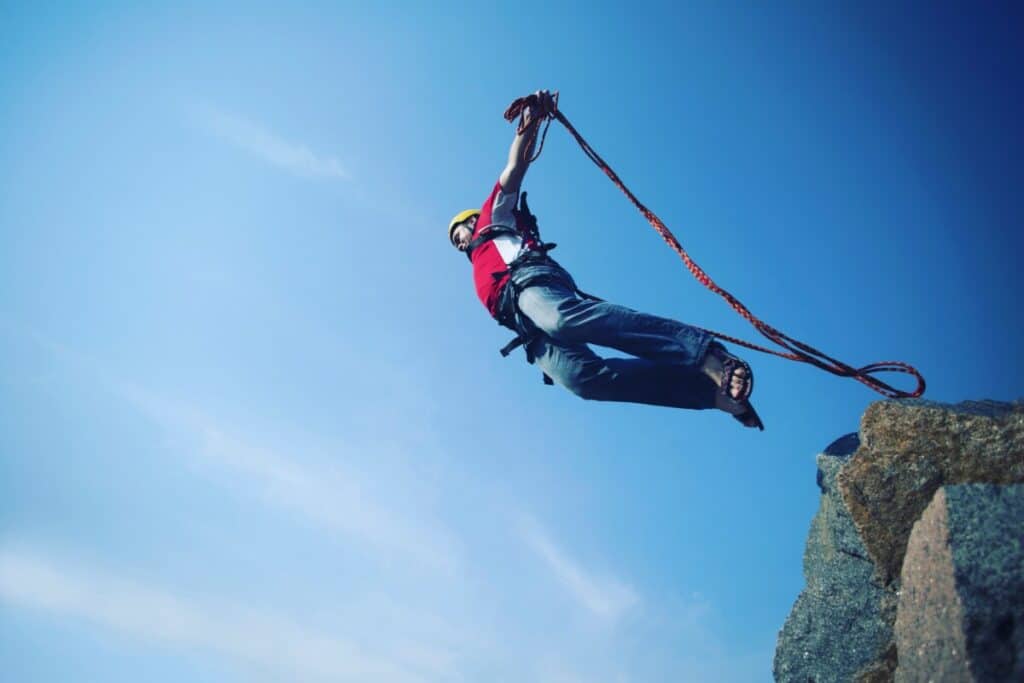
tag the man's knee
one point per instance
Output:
(546, 312)
(562, 320)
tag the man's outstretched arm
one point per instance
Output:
(522, 146)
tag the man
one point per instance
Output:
(674, 364)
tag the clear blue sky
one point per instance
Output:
(247, 421)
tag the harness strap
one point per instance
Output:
(488, 233)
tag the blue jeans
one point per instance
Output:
(668, 354)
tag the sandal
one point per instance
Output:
(739, 407)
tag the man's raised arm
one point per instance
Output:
(522, 146)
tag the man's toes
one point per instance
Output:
(739, 383)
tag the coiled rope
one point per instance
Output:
(795, 349)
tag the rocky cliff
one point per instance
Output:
(915, 560)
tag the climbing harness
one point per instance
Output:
(798, 351)
(527, 230)
(508, 313)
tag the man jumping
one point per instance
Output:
(523, 288)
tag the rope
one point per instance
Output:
(797, 350)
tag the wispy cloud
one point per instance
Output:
(259, 638)
(330, 497)
(291, 156)
(605, 597)
(390, 625)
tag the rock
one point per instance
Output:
(842, 621)
(909, 449)
(841, 627)
(960, 614)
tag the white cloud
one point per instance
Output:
(332, 498)
(293, 157)
(259, 638)
(438, 628)
(605, 597)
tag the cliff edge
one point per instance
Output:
(914, 564)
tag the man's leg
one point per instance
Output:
(568, 319)
(631, 380)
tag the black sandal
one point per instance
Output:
(740, 408)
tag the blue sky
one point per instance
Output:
(254, 422)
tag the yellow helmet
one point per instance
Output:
(460, 217)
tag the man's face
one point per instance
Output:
(463, 233)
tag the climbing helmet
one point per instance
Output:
(460, 217)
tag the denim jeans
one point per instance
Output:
(667, 354)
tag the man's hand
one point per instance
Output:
(542, 105)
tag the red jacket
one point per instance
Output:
(491, 259)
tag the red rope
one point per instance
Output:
(798, 351)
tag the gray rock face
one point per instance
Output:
(842, 621)
(911, 448)
(961, 608)
(841, 627)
